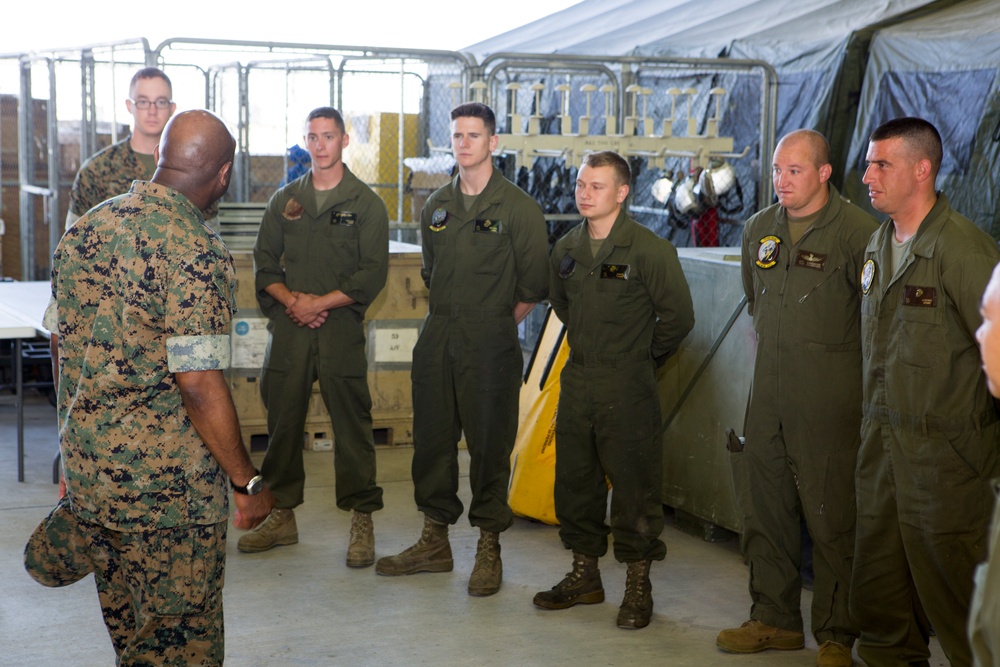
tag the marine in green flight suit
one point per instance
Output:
(485, 246)
(622, 295)
(930, 431)
(320, 259)
(801, 267)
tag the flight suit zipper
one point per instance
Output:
(819, 284)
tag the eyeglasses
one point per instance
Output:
(143, 104)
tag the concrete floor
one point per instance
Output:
(299, 605)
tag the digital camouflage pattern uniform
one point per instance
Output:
(109, 173)
(343, 247)
(141, 289)
(804, 418)
(930, 441)
(467, 361)
(625, 309)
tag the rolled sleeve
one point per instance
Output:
(198, 311)
(198, 353)
(50, 320)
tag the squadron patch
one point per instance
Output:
(567, 266)
(867, 275)
(439, 219)
(293, 210)
(767, 252)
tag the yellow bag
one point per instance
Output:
(533, 460)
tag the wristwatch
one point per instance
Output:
(253, 487)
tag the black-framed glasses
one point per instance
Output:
(160, 104)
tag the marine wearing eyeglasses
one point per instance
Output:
(110, 172)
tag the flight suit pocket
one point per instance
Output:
(490, 252)
(613, 295)
(869, 323)
(921, 337)
(936, 463)
(837, 506)
(296, 240)
(341, 233)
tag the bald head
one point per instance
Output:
(988, 333)
(195, 156)
(800, 170)
(815, 145)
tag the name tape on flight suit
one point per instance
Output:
(343, 218)
(615, 271)
(488, 226)
(810, 260)
(923, 297)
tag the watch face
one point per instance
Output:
(255, 485)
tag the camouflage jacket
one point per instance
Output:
(142, 289)
(110, 173)
(106, 174)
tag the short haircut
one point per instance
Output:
(623, 174)
(149, 73)
(328, 112)
(477, 110)
(920, 137)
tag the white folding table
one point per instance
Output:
(22, 307)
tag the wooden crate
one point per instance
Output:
(403, 301)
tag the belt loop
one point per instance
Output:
(923, 424)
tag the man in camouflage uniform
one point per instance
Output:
(111, 171)
(142, 297)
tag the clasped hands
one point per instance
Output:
(306, 310)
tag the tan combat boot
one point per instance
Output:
(754, 636)
(834, 654)
(277, 529)
(488, 571)
(580, 586)
(361, 550)
(637, 606)
(431, 553)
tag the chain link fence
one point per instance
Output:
(698, 134)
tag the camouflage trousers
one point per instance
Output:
(160, 591)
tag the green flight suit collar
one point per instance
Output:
(922, 244)
(451, 195)
(303, 191)
(578, 246)
(829, 214)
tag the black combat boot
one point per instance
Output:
(581, 586)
